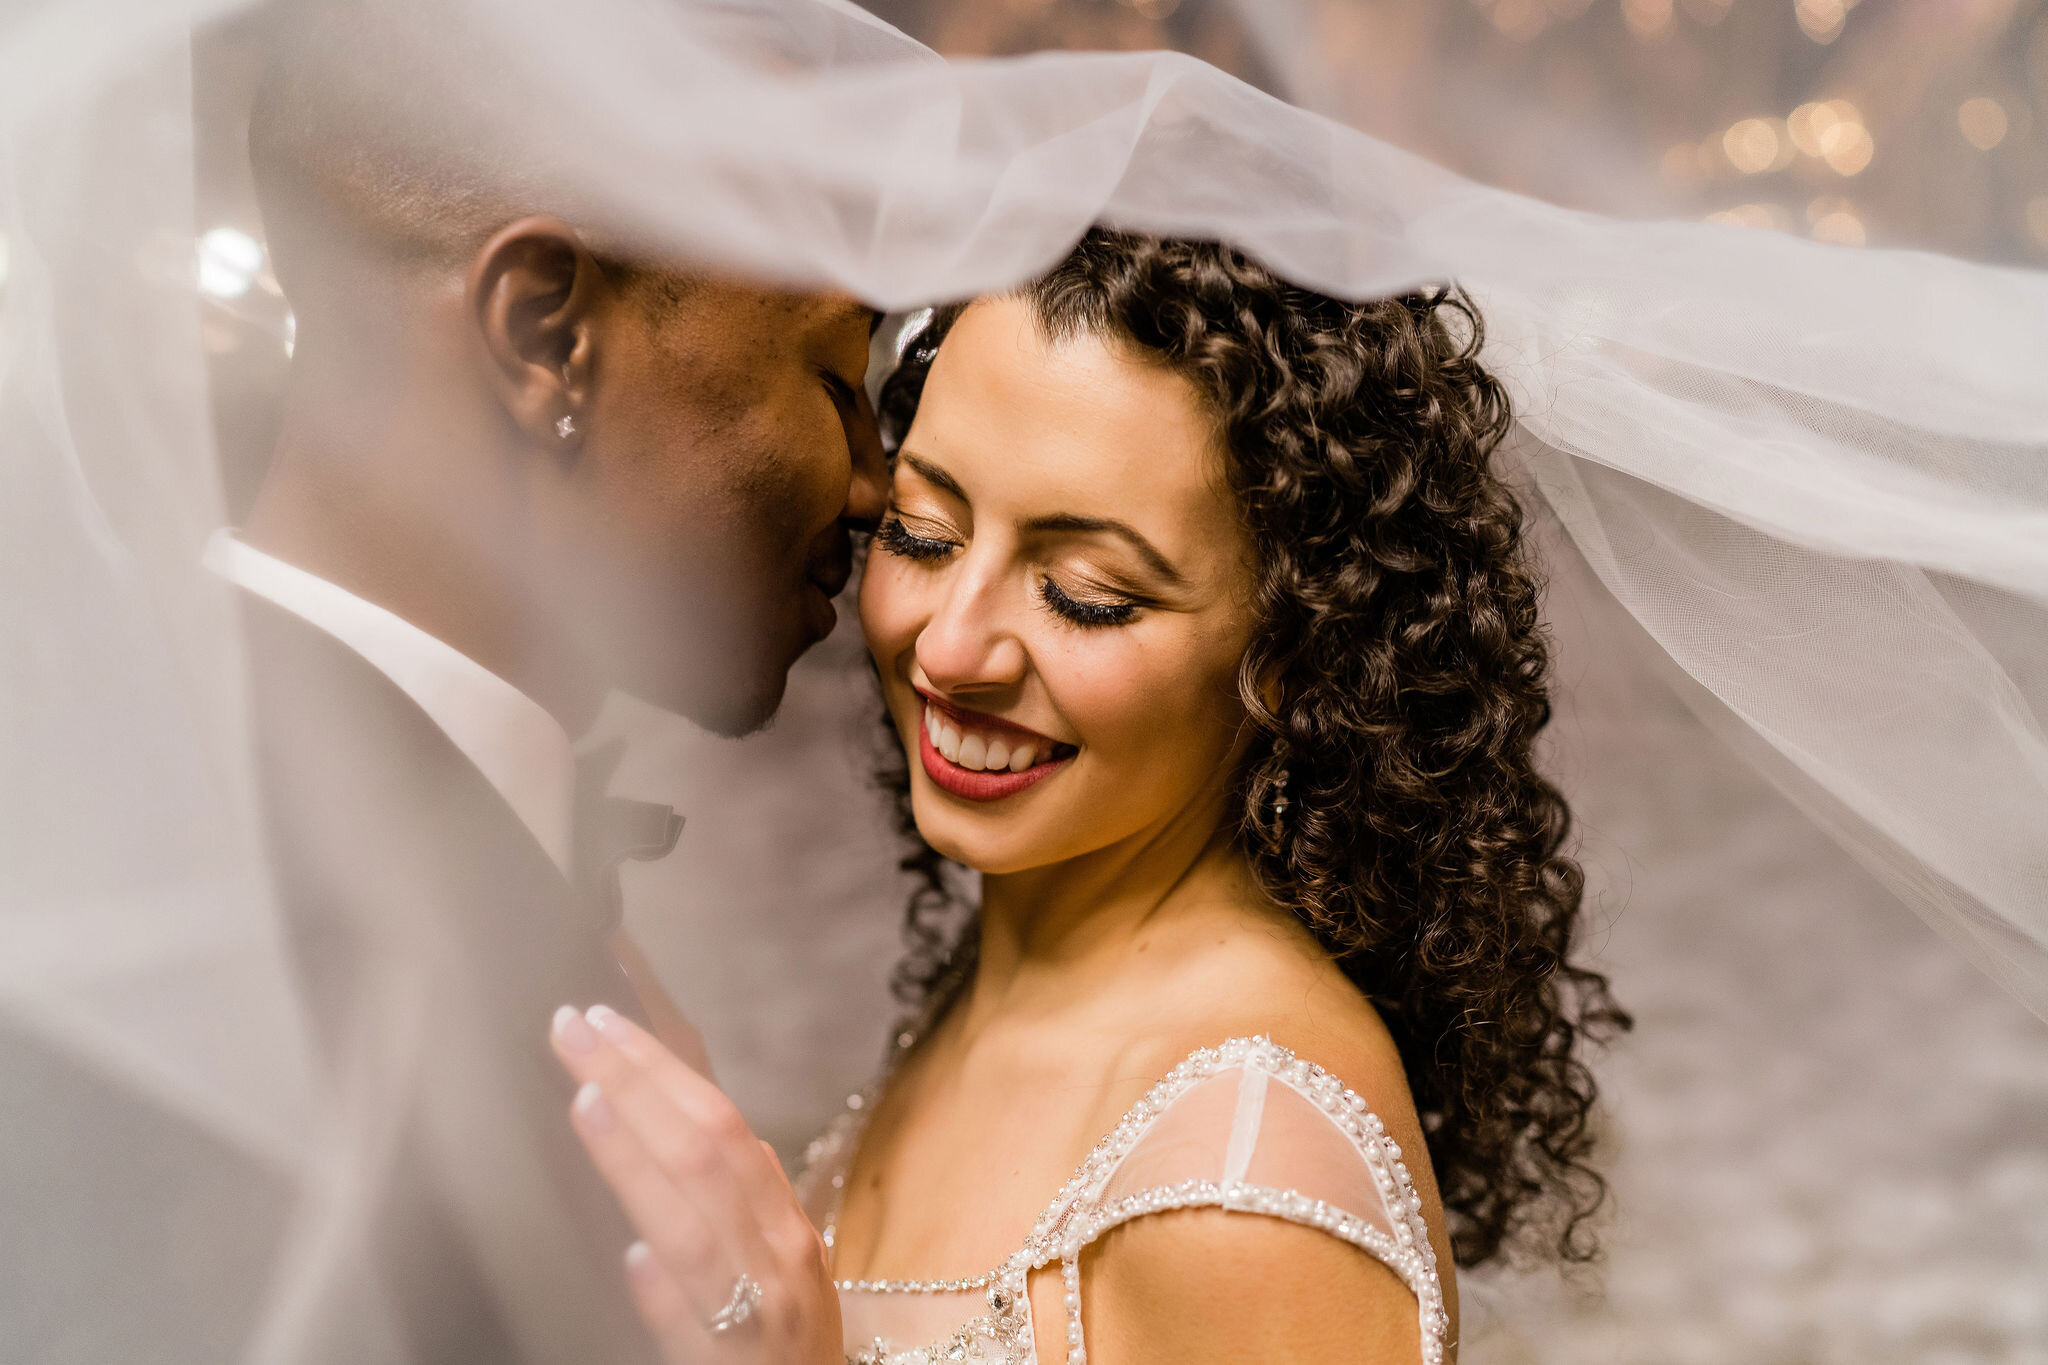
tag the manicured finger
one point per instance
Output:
(617, 1061)
(707, 1105)
(734, 1179)
(707, 1168)
(622, 1063)
(574, 1040)
(691, 1251)
(603, 1046)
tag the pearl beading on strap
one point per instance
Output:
(1076, 1216)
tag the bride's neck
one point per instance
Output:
(1062, 931)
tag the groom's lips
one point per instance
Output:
(830, 570)
(820, 616)
(824, 579)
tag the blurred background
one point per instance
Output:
(1887, 122)
(1828, 1135)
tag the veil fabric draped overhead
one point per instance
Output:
(1817, 476)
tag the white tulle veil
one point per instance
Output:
(1817, 477)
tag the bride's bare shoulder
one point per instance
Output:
(1197, 1286)
(1203, 1284)
(1274, 983)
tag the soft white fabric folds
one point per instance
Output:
(1818, 477)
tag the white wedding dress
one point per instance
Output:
(1247, 1127)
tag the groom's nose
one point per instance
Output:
(868, 494)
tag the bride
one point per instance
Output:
(1210, 638)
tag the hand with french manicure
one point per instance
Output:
(709, 1199)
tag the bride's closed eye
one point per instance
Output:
(1086, 611)
(897, 539)
(1099, 608)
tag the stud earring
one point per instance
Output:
(565, 426)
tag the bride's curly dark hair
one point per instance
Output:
(1396, 681)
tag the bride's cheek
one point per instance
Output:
(1153, 706)
(1106, 692)
(881, 606)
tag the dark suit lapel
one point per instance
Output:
(435, 938)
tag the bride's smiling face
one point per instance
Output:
(1056, 599)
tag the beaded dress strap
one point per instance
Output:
(1080, 1216)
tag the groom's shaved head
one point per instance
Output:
(358, 154)
(383, 138)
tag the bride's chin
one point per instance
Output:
(991, 852)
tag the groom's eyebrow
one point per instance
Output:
(1067, 523)
(853, 310)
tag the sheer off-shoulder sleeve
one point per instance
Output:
(1246, 1127)
(1250, 1128)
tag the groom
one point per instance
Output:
(520, 466)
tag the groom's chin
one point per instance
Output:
(732, 700)
(743, 717)
(727, 681)
(730, 710)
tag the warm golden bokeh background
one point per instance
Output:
(1893, 122)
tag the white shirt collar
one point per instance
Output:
(519, 748)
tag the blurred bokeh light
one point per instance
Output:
(1925, 118)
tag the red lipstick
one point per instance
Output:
(973, 784)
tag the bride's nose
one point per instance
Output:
(968, 644)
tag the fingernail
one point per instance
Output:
(573, 1033)
(618, 1032)
(639, 1260)
(590, 1105)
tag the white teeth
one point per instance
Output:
(976, 753)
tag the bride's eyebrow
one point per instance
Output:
(1066, 523)
(933, 475)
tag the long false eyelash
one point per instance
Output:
(895, 538)
(1085, 613)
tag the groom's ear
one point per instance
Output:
(532, 293)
